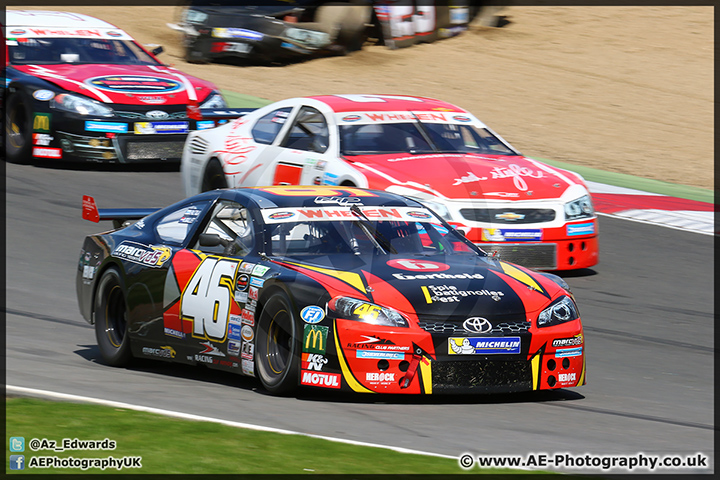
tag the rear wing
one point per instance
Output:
(120, 216)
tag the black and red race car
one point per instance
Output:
(78, 88)
(330, 287)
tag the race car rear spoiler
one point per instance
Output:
(119, 216)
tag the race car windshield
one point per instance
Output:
(419, 138)
(363, 237)
(52, 51)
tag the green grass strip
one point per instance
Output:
(239, 100)
(171, 445)
(638, 183)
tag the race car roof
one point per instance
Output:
(53, 19)
(385, 103)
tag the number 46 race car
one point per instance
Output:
(326, 287)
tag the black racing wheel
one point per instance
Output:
(277, 346)
(18, 128)
(214, 177)
(111, 319)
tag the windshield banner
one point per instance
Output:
(339, 213)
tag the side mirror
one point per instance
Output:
(211, 240)
(157, 50)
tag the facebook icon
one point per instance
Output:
(17, 462)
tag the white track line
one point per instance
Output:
(33, 392)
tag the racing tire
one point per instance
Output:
(277, 347)
(214, 177)
(349, 19)
(18, 128)
(111, 319)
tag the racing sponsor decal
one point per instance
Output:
(253, 293)
(43, 95)
(568, 342)
(379, 355)
(565, 378)
(312, 314)
(420, 215)
(380, 378)
(246, 267)
(234, 331)
(233, 348)
(43, 152)
(251, 305)
(315, 339)
(162, 352)
(281, 215)
(511, 235)
(248, 350)
(174, 333)
(41, 122)
(235, 320)
(30, 32)
(339, 200)
(440, 276)
(248, 317)
(152, 128)
(371, 342)
(568, 352)
(152, 99)
(205, 124)
(143, 254)
(329, 179)
(313, 361)
(351, 118)
(324, 214)
(257, 282)
(414, 265)
(190, 215)
(395, 117)
(206, 300)
(135, 83)
(247, 333)
(451, 294)
(581, 229)
(260, 270)
(315, 379)
(248, 367)
(106, 127)
(483, 345)
(461, 118)
(211, 349)
(517, 172)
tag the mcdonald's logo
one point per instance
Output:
(315, 339)
(41, 122)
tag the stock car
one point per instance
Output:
(271, 31)
(78, 88)
(435, 152)
(331, 287)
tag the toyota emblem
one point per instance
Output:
(156, 114)
(477, 325)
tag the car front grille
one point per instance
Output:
(538, 256)
(456, 328)
(481, 376)
(489, 215)
(160, 151)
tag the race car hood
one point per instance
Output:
(426, 287)
(124, 84)
(467, 176)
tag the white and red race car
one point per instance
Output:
(432, 151)
(79, 88)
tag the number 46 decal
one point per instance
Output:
(207, 298)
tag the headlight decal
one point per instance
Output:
(80, 105)
(579, 209)
(349, 308)
(560, 311)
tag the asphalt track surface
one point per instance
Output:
(647, 309)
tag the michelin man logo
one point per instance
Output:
(464, 349)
